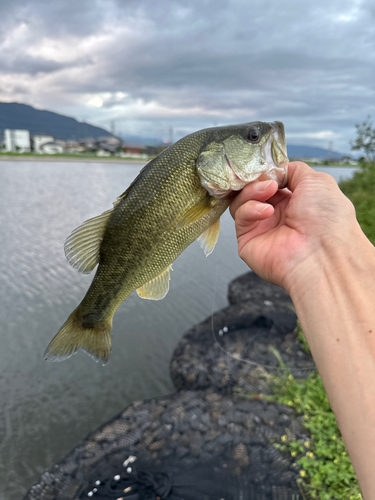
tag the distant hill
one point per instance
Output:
(302, 151)
(150, 141)
(21, 116)
(294, 151)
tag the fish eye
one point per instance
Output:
(253, 135)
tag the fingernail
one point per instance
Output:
(261, 207)
(262, 185)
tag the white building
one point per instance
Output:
(53, 147)
(17, 141)
(73, 147)
(39, 140)
(102, 152)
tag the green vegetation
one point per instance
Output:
(325, 470)
(301, 337)
(360, 189)
(85, 155)
(365, 140)
(326, 163)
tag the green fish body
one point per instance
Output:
(178, 197)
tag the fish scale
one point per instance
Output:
(163, 211)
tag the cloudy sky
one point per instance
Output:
(154, 64)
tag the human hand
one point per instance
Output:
(281, 239)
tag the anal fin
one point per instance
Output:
(157, 288)
(208, 239)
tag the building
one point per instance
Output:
(74, 147)
(16, 141)
(53, 147)
(135, 150)
(102, 152)
(39, 140)
(109, 144)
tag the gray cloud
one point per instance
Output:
(310, 65)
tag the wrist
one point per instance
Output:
(333, 262)
(337, 287)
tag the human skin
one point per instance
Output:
(306, 239)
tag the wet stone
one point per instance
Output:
(157, 445)
(225, 438)
(166, 452)
(199, 362)
(240, 455)
(195, 449)
(181, 451)
(165, 431)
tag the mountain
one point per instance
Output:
(21, 116)
(150, 141)
(294, 151)
(301, 151)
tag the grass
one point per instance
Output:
(73, 155)
(325, 470)
(360, 189)
(324, 163)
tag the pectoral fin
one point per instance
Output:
(157, 288)
(208, 239)
(83, 245)
(197, 211)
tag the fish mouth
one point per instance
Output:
(275, 156)
(268, 161)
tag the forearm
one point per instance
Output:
(335, 302)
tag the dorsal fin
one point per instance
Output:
(83, 245)
(208, 239)
(157, 288)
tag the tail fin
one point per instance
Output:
(73, 336)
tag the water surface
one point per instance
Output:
(45, 408)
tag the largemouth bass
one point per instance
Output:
(178, 197)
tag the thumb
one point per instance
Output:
(297, 171)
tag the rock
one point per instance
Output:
(235, 353)
(240, 449)
(250, 288)
(207, 426)
(240, 358)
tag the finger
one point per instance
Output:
(297, 170)
(249, 214)
(258, 191)
(280, 195)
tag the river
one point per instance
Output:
(46, 408)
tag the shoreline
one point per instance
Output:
(72, 159)
(111, 159)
